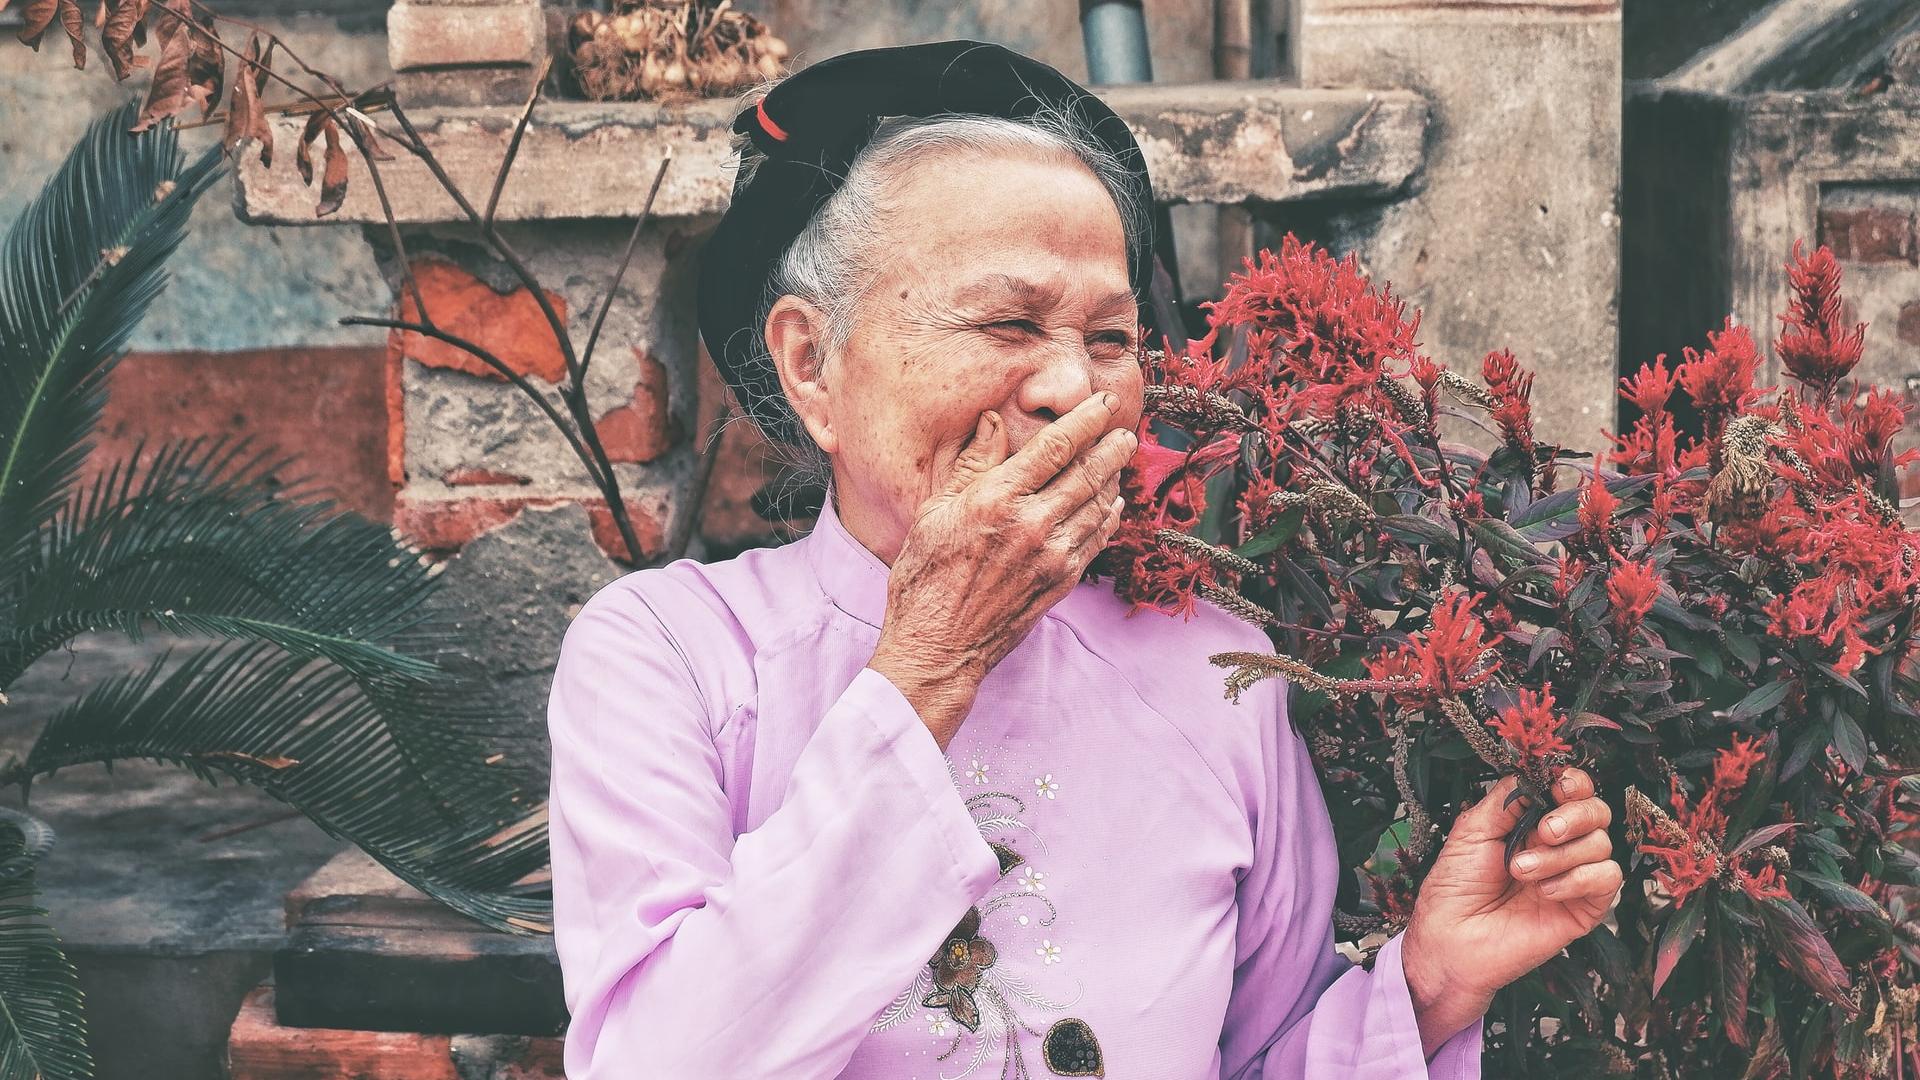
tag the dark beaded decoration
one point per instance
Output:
(1071, 1050)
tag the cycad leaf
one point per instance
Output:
(198, 540)
(77, 271)
(305, 732)
(43, 1030)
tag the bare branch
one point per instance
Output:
(633, 241)
(513, 144)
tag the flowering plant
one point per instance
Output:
(1716, 622)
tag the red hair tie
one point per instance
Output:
(778, 133)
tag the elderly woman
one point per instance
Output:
(909, 798)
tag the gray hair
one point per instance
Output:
(836, 259)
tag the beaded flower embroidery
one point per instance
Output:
(967, 982)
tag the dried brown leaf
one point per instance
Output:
(74, 22)
(303, 151)
(124, 18)
(246, 115)
(34, 20)
(333, 182)
(190, 70)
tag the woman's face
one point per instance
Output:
(1005, 287)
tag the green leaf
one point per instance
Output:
(1850, 741)
(1799, 944)
(43, 1029)
(1761, 700)
(1500, 538)
(67, 308)
(1280, 530)
(1414, 529)
(1676, 937)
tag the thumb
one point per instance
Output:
(986, 449)
(1496, 814)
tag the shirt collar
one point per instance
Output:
(852, 577)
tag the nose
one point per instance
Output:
(1063, 379)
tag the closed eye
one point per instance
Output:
(1017, 326)
(1115, 338)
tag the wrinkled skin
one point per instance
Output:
(977, 421)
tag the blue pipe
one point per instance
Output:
(1116, 38)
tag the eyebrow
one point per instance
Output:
(994, 287)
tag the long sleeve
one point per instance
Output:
(688, 952)
(1299, 1008)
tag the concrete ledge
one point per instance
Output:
(1248, 142)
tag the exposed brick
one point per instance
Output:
(647, 529)
(396, 418)
(478, 476)
(446, 525)
(260, 1048)
(644, 429)
(1875, 234)
(508, 325)
(1907, 326)
(422, 36)
(322, 407)
(434, 87)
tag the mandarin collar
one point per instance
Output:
(852, 577)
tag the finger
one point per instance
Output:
(1573, 784)
(984, 450)
(1060, 442)
(1541, 863)
(1094, 476)
(1586, 880)
(1493, 815)
(1101, 536)
(1569, 820)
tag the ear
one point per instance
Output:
(796, 340)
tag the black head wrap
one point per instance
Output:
(813, 124)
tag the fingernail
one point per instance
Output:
(1108, 398)
(1566, 783)
(1526, 863)
(1557, 826)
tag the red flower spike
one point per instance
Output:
(1815, 346)
(1632, 587)
(1532, 726)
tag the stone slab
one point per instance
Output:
(1263, 142)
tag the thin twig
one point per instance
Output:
(513, 144)
(575, 394)
(633, 241)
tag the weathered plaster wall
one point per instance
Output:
(1512, 236)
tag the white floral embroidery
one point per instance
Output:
(1048, 951)
(1033, 880)
(977, 772)
(1044, 785)
(938, 1024)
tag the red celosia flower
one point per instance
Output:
(1511, 389)
(1734, 763)
(1686, 870)
(1632, 587)
(1720, 379)
(1765, 885)
(1451, 656)
(1650, 387)
(1597, 505)
(1531, 726)
(1567, 574)
(1815, 347)
(1870, 428)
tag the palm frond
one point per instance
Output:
(305, 732)
(43, 1031)
(197, 541)
(77, 271)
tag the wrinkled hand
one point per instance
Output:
(1479, 922)
(1004, 539)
